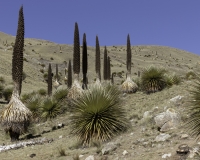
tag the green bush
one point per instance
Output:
(190, 75)
(2, 80)
(25, 98)
(193, 110)
(172, 79)
(50, 108)
(7, 93)
(42, 92)
(98, 115)
(153, 79)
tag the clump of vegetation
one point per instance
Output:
(97, 115)
(27, 96)
(42, 92)
(193, 110)
(172, 79)
(61, 151)
(153, 79)
(7, 93)
(190, 75)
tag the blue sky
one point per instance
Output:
(174, 23)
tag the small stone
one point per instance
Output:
(60, 137)
(162, 137)
(166, 155)
(131, 133)
(80, 156)
(91, 157)
(184, 136)
(182, 149)
(125, 153)
(108, 148)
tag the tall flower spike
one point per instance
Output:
(97, 59)
(17, 59)
(105, 66)
(49, 80)
(109, 69)
(76, 58)
(69, 78)
(84, 62)
(129, 55)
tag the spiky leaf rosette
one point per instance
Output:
(129, 55)
(98, 60)
(153, 79)
(76, 55)
(15, 117)
(49, 80)
(128, 86)
(50, 108)
(172, 79)
(69, 78)
(193, 110)
(108, 68)
(84, 62)
(105, 68)
(97, 115)
(17, 59)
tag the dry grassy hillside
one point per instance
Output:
(37, 52)
(139, 140)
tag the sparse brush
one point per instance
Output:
(172, 79)
(190, 75)
(193, 110)
(1, 90)
(27, 96)
(2, 80)
(7, 93)
(98, 60)
(61, 151)
(153, 79)
(42, 92)
(97, 115)
(76, 157)
(33, 104)
(60, 94)
(50, 108)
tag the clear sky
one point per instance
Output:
(174, 23)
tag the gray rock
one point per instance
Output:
(166, 155)
(91, 157)
(176, 99)
(167, 120)
(125, 153)
(184, 136)
(162, 137)
(109, 147)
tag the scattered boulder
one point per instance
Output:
(109, 147)
(162, 137)
(167, 120)
(184, 136)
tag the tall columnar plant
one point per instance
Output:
(49, 84)
(98, 61)
(69, 79)
(76, 89)
(129, 86)
(105, 66)
(84, 62)
(109, 69)
(15, 117)
(56, 83)
(76, 54)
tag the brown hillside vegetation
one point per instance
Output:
(139, 139)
